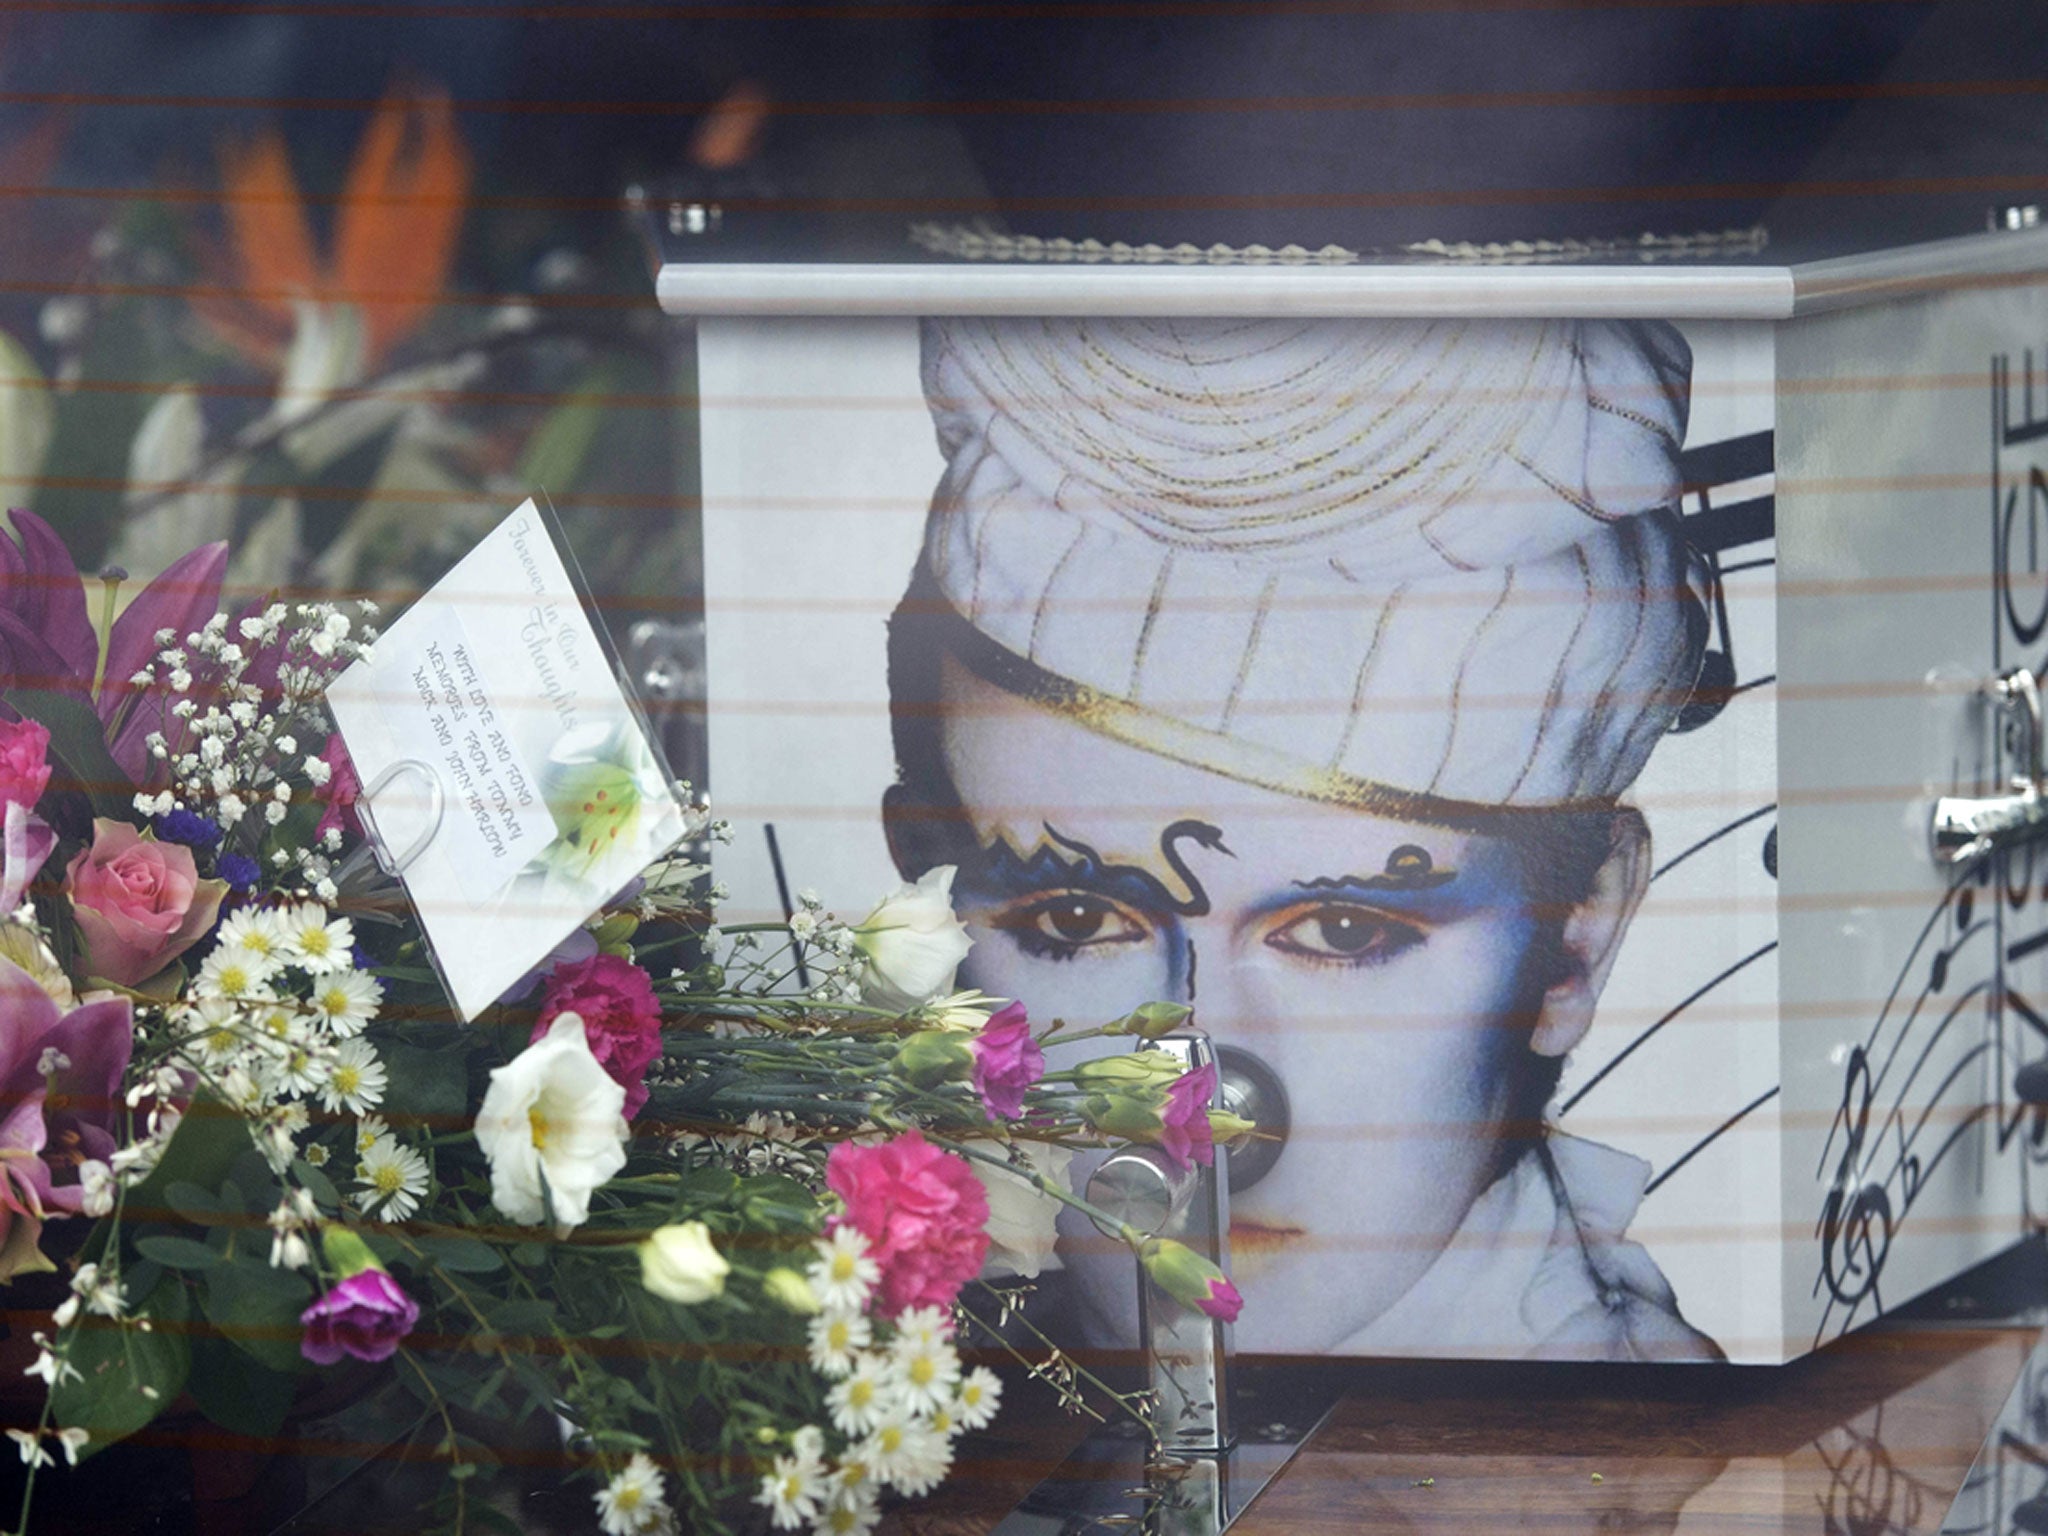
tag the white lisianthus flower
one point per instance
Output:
(911, 944)
(679, 1264)
(1022, 1222)
(552, 1110)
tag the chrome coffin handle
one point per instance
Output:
(1188, 1351)
(1966, 827)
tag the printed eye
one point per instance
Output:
(1067, 922)
(1342, 933)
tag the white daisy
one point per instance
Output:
(370, 1129)
(791, 1492)
(348, 1000)
(356, 1079)
(215, 1026)
(975, 1402)
(858, 1403)
(906, 1454)
(632, 1503)
(923, 1327)
(923, 1370)
(835, 1339)
(296, 1069)
(315, 944)
(844, 1275)
(233, 973)
(254, 931)
(849, 1514)
(396, 1178)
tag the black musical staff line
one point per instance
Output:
(1711, 838)
(1710, 1138)
(1630, 1049)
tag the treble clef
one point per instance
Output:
(1856, 1223)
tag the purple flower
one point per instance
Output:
(1184, 1133)
(47, 639)
(52, 1122)
(239, 870)
(365, 1316)
(187, 827)
(1006, 1062)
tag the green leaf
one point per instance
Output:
(201, 1207)
(483, 1516)
(178, 1252)
(256, 1308)
(237, 1393)
(461, 1255)
(128, 1377)
(523, 1317)
(428, 1088)
(707, 1186)
(78, 750)
(778, 1202)
(529, 1255)
(208, 1140)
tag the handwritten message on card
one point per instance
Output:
(497, 808)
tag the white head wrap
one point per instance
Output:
(1360, 560)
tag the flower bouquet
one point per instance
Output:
(707, 1205)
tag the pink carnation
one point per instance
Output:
(367, 1316)
(923, 1212)
(1184, 1133)
(24, 763)
(1006, 1062)
(621, 1019)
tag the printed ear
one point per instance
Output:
(1592, 938)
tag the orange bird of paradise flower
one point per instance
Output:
(395, 231)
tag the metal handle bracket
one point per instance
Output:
(1966, 827)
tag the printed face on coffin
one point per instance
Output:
(1413, 986)
(1294, 670)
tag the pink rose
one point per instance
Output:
(621, 1019)
(367, 1315)
(1006, 1062)
(24, 769)
(923, 1212)
(1185, 1133)
(139, 903)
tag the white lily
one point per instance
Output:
(553, 1114)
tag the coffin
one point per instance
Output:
(1182, 697)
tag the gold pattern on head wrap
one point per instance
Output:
(1230, 757)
